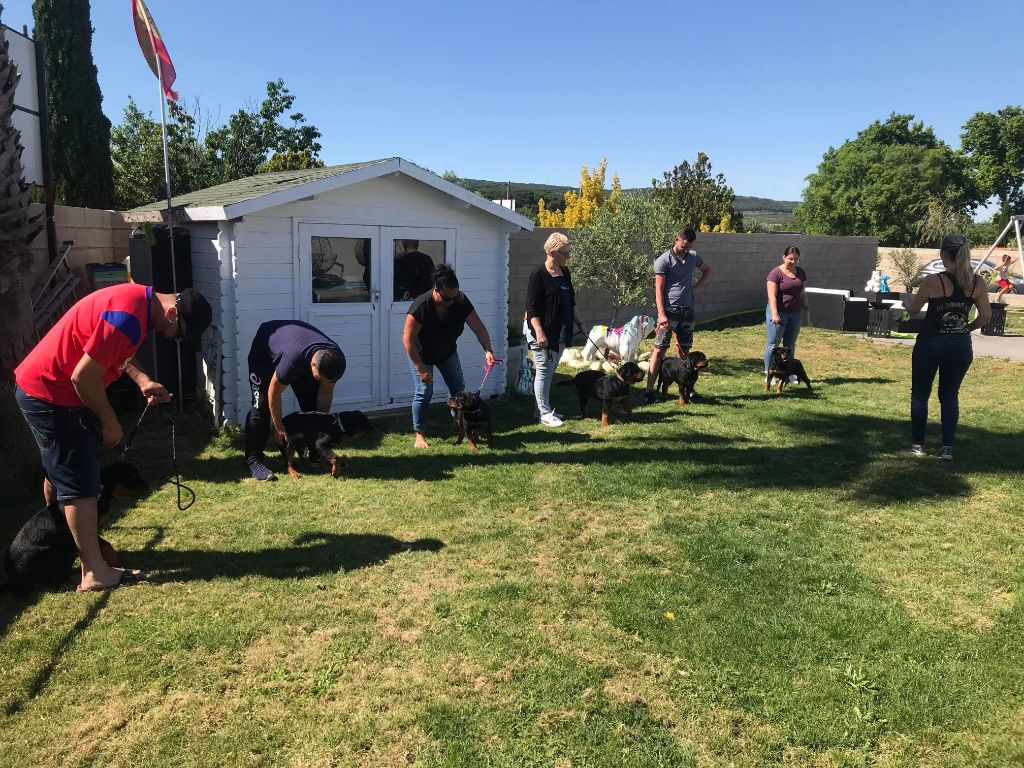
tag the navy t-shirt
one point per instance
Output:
(289, 345)
(440, 335)
(566, 298)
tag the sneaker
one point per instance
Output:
(917, 450)
(551, 420)
(947, 453)
(259, 470)
(650, 397)
(559, 415)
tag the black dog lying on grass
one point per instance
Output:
(684, 371)
(613, 388)
(783, 365)
(43, 552)
(313, 434)
(472, 418)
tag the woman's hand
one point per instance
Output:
(775, 318)
(488, 357)
(426, 376)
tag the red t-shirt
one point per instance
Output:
(108, 325)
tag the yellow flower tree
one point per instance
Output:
(582, 206)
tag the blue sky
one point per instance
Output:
(532, 91)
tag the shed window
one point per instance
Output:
(341, 269)
(414, 261)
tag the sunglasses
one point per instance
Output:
(444, 299)
(563, 253)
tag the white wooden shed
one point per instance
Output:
(320, 245)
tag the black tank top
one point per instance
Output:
(947, 315)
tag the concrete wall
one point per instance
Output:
(740, 264)
(924, 255)
(100, 237)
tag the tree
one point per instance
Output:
(251, 136)
(582, 207)
(905, 264)
(880, 183)
(994, 146)
(137, 152)
(79, 131)
(291, 161)
(18, 227)
(615, 253)
(941, 219)
(697, 198)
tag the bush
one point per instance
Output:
(905, 264)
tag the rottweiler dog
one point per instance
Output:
(43, 551)
(782, 366)
(472, 418)
(312, 436)
(613, 388)
(684, 372)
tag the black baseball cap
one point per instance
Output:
(196, 311)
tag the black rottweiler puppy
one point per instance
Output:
(782, 366)
(43, 552)
(684, 372)
(472, 418)
(313, 434)
(613, 388)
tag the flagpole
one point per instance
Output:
(170, 218)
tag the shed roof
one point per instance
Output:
(267, 190)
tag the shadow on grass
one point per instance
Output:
(313, 554)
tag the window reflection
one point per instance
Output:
(414, 261)
(341, 269)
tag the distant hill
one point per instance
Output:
(762, 209)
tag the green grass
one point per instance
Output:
(750, 580)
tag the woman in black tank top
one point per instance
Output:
(944, 342)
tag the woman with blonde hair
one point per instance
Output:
(944, 341)
(550, 311)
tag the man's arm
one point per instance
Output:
(274, 392)
(324, 396)
(705, 275)
(659, 298)
(87, 380)
(153, 391)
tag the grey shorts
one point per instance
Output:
(680, 322)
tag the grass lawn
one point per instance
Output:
(751, 580)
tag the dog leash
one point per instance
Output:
(607, 360)
(177, 475)
(131, 435)
(487, 371)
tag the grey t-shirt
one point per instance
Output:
(678, 277)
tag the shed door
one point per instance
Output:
(338, 284)
(403, 249)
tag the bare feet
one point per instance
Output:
(114, 577)
(421, 441)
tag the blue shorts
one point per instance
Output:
(70, 444)
(681, 321)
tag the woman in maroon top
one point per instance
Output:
(787, 304)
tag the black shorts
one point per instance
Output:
(681, 322)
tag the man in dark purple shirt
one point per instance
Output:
(287, 353)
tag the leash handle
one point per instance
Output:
(487, 370)
(177, 475)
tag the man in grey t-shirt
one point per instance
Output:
(673, 293)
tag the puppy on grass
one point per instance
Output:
(472, 419)
(43, 551)
(312, 436)
(683, 371)
(613, 388)
(783, 366)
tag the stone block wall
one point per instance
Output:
(100, 237)
(739, 263)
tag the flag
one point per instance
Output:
(153, 47)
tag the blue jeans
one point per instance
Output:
(451, 372)
(545, 362)
(950, 356)
(785, 332)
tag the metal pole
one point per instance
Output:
(170, 215)
(995, 244)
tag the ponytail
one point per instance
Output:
(957, 249)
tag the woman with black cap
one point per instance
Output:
(944, 341)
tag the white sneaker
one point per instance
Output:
(559, 415)
(551, 420)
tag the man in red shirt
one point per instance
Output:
(62, 392)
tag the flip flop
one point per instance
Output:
(128, 579)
